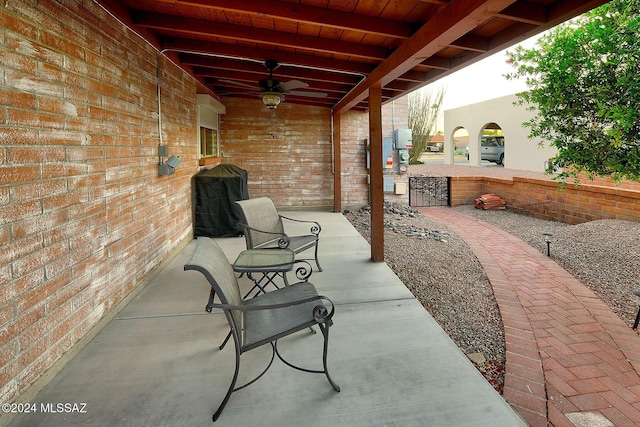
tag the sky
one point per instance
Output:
(482, 80)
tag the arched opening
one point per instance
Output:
(492, 145)
(460, 143)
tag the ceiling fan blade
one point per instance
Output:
(293, 84)
(239, 84)
(307, 94)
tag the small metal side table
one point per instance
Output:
(262, 267)
(266, 264)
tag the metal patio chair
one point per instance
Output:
(265, 318)
(264, 228)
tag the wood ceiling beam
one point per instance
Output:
(437, 62)
(257, 35)
(529, 13)
(448, 24)
(309, 15)
(221, 63)
(282, 71)
(398, 86)
(436, 2)
(411, 76)
(261, 55)
(564, 10)
(472, 43)
(521, 30)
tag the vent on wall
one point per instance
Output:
(209, 102)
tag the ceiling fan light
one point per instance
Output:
(271, 100)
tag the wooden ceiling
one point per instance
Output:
(338, 47)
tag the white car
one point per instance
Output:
(491, 149)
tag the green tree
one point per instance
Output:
(584, 80)
(424, 107)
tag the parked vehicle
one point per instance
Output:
(491, 149)
(436, 148)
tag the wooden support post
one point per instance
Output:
(337, 164)
(376, 193)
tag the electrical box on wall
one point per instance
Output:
(387, 184)
(403, 161)
(403, 139)
(387, 153)
(401, 188)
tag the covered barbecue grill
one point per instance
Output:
(217, 190)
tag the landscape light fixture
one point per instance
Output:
(547, 239)
(271, 100)
(635, 324)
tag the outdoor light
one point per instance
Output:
(173, 161)
(168, 167)
(547, 239)
(635, 324)
(271, 100)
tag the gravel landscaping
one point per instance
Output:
(444, 274)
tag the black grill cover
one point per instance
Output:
(216, 191)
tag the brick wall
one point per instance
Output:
(544, 199)
(84, 216)
(354, 130)
(287, 151)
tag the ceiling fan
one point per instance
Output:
(272, 91)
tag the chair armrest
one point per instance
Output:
(282, 238)
(321, 313)
(315, 228)
(303, 271)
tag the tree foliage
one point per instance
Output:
(424, 107)
(584, 80)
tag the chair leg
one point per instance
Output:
(325, 332)
(635, 324)
(317, 261)
(225, 341)
(231, 386)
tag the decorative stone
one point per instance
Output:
(476, 358)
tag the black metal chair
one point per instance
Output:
(265, 318)
(264, 228)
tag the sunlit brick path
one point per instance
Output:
(571, 361)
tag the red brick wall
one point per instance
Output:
(544, 199)
(354, 130)
(286, 151)
(84, 216)
(465, 189)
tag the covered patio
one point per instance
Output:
(100, 95)
(346, 56)
(157, 362)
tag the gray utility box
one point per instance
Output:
(403, 139)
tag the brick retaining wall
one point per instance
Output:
(545, 199)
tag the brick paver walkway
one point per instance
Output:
(571, 361)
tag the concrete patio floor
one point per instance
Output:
(157, 363)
